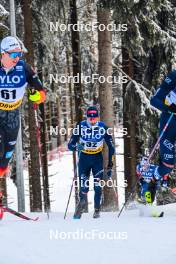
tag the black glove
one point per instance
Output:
(79, 147)
(172, 108)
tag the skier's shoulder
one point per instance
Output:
(102, 124)
(82, 123)
(79, 125)
(170, 78)
(153, 166)
(29, 69)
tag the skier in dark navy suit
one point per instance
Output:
(15, 74)
(89, 142)
(165, 100)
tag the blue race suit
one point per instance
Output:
(12, 88)
(147, 182)
(91, 158)
(159, 100)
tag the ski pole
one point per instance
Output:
(115, 192)
(11, 211)
(148, 160)
(129, 196)
(74, 177)
(158, 141)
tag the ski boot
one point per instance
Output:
(145, 199)
(79, 209)
(148, 197)
(96, 213)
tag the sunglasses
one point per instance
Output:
(16, 54)
(92, 118)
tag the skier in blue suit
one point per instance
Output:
(165, 100)
(148, 185)
(15, 74)
(89, 143)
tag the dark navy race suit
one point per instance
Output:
(12, 88)
(168, 140)
(91, 158)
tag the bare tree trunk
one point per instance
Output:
(105, 93)
(129, 123)
(76, 62)
(59, 138)
(72, 121)
(49, 123)
(44, 157)
(34, 171)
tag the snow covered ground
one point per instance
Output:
(129, 239)
(60, 179)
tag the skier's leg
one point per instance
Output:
(152, 188)
(1, 143)
(84, 172)
(97, 170)
(166, 148)
(10, 127)
(84, 168)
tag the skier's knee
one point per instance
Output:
(169, 166)
(84, 190)
(1, 143)
(97, 189)
(163, 169)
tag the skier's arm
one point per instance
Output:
(109, 141)
(72, 144)
(158, 100)
(37, 93)
(138, 170)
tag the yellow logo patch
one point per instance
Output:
(10, 106)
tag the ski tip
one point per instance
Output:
(156, 214)
(36, 219)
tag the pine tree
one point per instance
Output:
(105, 89)
(34, 170)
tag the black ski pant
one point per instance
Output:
(88, 163)
(9, 127)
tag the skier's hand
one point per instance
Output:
(79, 147)
(138, 171)
(37, 97)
